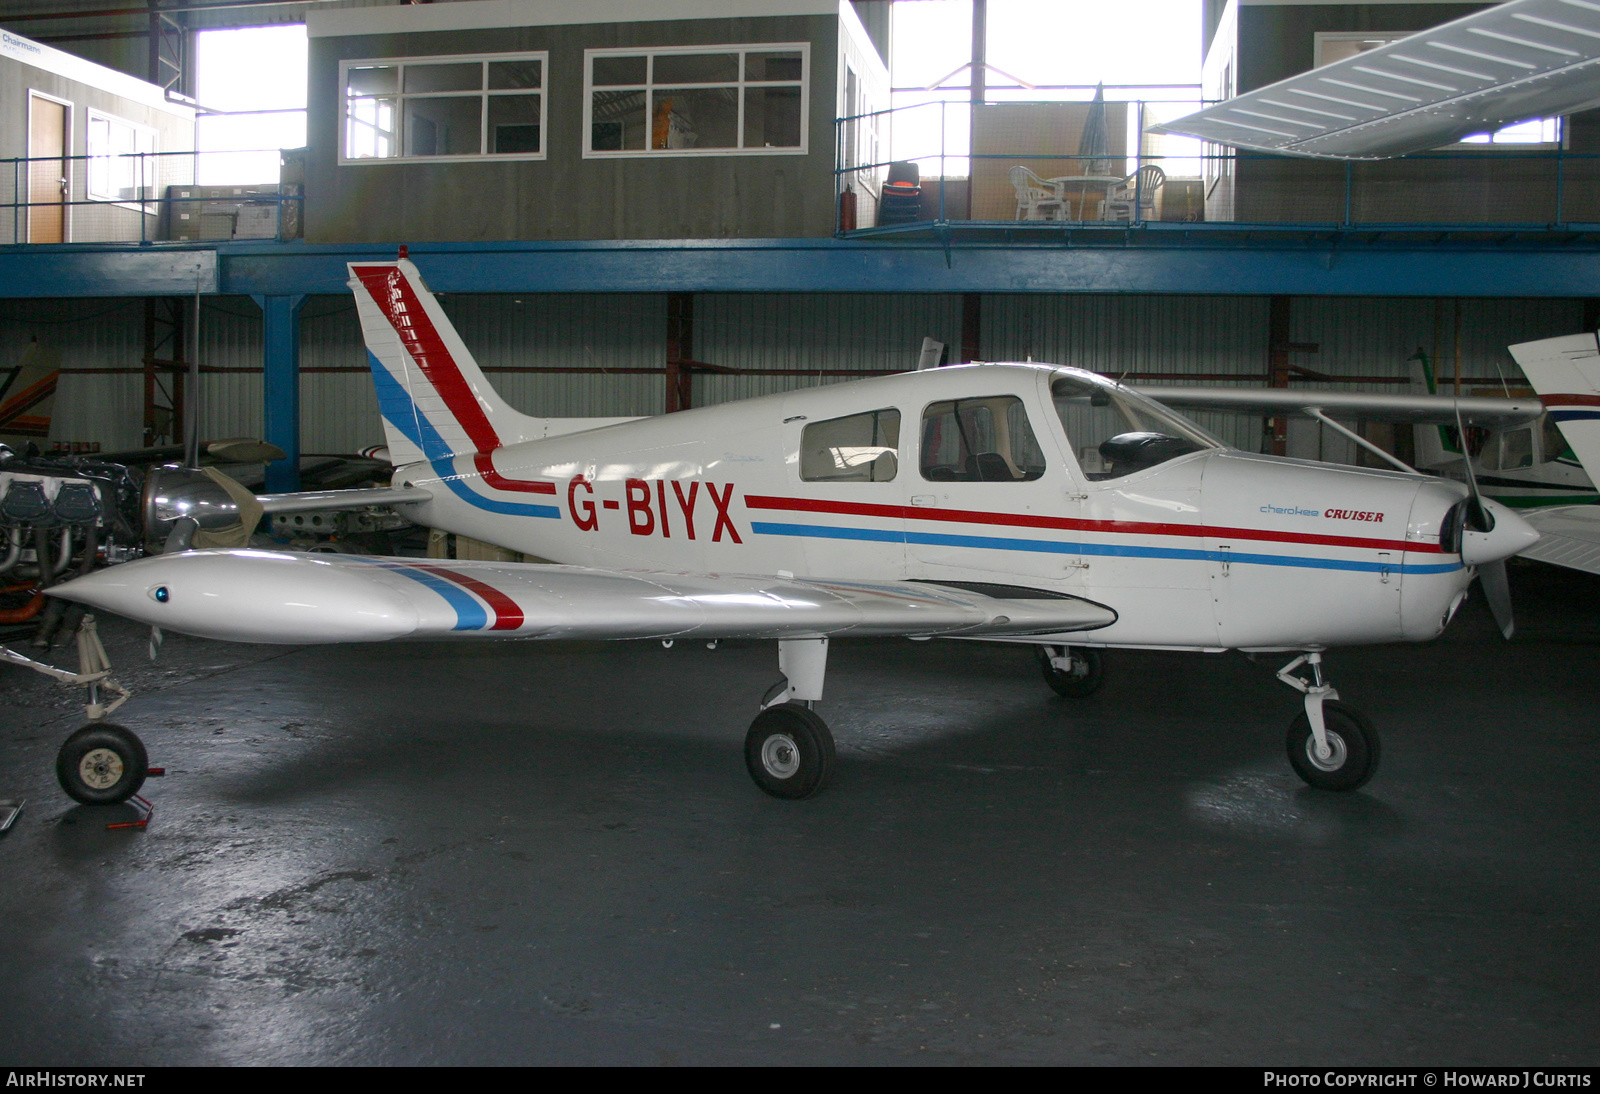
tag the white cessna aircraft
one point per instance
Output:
(950, 502)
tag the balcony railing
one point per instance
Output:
(1018, 167)
(145, 198)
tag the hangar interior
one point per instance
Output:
(637, 209)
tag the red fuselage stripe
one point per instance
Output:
(1070, 524)
(508, 617)
(1570, 400)
(401, 307)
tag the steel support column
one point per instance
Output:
(971, 327)
(680, 351)
(281, 387)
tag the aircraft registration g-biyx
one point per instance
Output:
(1022, 503)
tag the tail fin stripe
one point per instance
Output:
(407, 317)
(396, 407)
(409, 321)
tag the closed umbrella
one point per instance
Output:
(1095, 140)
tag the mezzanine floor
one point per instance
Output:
(526, 853)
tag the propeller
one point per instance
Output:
(1477, 518)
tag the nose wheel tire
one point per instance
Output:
(789, 751)
(1080, 678)
(1353, 749)
(102, 764)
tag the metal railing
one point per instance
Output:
(144, 197)
(966, 180)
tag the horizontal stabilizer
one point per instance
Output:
(312, 501)
(284, 597)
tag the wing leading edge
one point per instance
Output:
(1421, 409)
(279, 597)
(1507, 63)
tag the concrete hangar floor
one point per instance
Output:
(525, 853)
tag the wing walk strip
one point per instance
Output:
(409, 320)
(1077, 547)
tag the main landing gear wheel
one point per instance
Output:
(1073, 672)
(1352, 745)
(789, 751)
(102, 764)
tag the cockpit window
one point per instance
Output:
(979, 440)
(1115, 432)
(860, 448)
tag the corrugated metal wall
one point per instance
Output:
(821, 332)
(814, 335)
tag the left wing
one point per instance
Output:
(1569, 535)
(283, 597)
(1419, 409)
(1508, 63)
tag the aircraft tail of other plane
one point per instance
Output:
(1566, 374)
(434, 398)
(28, 395)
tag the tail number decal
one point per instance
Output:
(648, 510)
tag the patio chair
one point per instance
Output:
(1135, 198)
(1036, 200)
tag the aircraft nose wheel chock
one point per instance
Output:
(1331, 745)
(1073, 672)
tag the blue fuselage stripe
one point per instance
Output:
(1062, 547)
(1575, 415)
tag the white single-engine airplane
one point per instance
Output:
(947, 502)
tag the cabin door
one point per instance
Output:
(47, 170)
(991, 481)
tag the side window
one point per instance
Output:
(860, 448)
(1555, 444)
(979, 440)
(1516, 449)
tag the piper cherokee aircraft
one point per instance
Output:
(940, 503)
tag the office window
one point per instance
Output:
(121, 167)
(443, 109)
(696, 100)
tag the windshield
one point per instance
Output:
(1115, 432)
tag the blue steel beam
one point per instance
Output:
(106, 269)
(281, 387)
(1234, 262)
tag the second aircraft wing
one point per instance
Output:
(285, 597)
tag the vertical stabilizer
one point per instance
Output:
(1566, 374)
(28, 396)
(434, 399)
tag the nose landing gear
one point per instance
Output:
(1332, 746)
(1073, 672)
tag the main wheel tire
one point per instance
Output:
(1087, 674)
(789, 751)
(1354, 743)
(102, 764)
